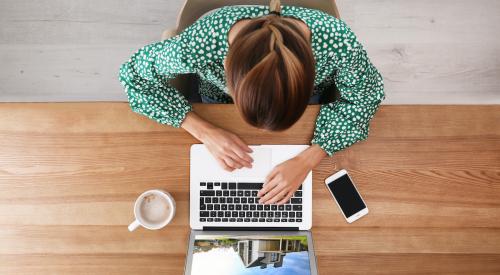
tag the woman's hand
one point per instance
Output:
(286, 177)
(227, 148)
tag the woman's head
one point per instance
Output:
(270, 71)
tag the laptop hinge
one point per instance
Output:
(224, 228)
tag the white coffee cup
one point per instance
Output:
(153, 209)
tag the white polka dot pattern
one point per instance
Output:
(202, 47)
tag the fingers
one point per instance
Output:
(232, 163)
(274, 189)
(242, 144)
(286, 198)
(268, 184)
(278, 197)
(223, 164)
(243, 162)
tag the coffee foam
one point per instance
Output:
(154, 209)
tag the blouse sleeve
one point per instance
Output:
(145, 77)
(344, 122)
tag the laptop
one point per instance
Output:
(232, 233)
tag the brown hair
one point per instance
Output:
(270, 71)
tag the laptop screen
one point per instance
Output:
(254, 254)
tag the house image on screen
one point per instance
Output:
(261, 253)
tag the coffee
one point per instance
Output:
(154, 209)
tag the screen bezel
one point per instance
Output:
(194, 233)
(356, 215)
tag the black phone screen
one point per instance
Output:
(346, 195)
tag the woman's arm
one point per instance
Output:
(339, 124)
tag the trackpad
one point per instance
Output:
(261, 165)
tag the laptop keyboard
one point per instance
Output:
(238, 202)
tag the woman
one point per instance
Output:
(271, 63)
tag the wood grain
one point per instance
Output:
(69, 174)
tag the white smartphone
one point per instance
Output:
(346, 196)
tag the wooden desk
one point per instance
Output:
(69, 174)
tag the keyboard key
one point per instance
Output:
(274, 207)
(241, 214)
(243, 200)
(298, 194)
(210, 185)
(227, 214)
(210, 220)
(298, 220)
(224, 219)
(215, 200)
(217, 207)
(210, 207)
(245, 207)
(300, 187)
(225, 193)
(218, 193)
(232, 185)
(291, 220)
(206, 193)
(269, 220)
(231, 207)
(229, 200)
(208, 200)
(297, 207)
(204, 214)
(255, 214)
(213, 214)
(299, 214)
(232, 193)
(240, 193)
(270, 214)
(250, 185)
(260, 207)
(281, 207)
(217, 219)
(248, 193)
(288, 207)
(255, 220)
(203, 207)
(203, 184)
(284, 214)
(254, 193)
(283, 220)
(222, 200)
(202, 201)
(267, 207)
(220, 214)
(277, 214)
(262, 220)
(276, 220)
(238, 207)
(239, 220)
(216, 183)
(232, 220)
(291, 214)
(236, 200)
(223, 185)
(251, 200)
(223, 207)
(263, 214)
(248, 214)
(296, 201)
(253, 207)
(203, 219)
(247, 219)
(234, 214)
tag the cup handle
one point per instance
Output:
(133, 226)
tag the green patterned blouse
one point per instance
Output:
(202, 47)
